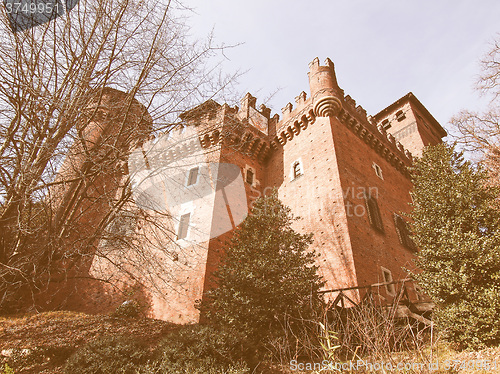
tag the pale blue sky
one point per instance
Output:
(382, 49)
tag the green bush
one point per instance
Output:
(267, 276)
(108, 355)
(457, 228)
(199, 350)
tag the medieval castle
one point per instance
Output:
(343, 172)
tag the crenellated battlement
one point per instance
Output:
(293, 127)
(259, 118)
(328, 100)
(300, 100)
(380, 141)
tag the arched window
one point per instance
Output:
(400, 115)
(378, 171)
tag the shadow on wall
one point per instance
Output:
(338, 266)
(275, 175)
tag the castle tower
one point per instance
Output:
(304, 168)
(112, 125)
(410, 123)
(347, 177)
(198, 181)
(325, 92)
(88, 185)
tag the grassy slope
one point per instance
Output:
(41, 343)
(48, 339)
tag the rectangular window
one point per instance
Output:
(389, 286)
(400, 116)
(183, 226)
(193, 176)
(404, 233)
(374, 214)
(249, 176)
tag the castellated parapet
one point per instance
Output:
(324, 87)
(344, 172)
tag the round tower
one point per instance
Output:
(114, 118)
(326, 95)
(112, 124)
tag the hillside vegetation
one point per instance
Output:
(41, 343)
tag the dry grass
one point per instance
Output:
(50, 338)
(376, 336)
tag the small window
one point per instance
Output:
(386, 124)
(378, 170)
(183, 226)
(374, 214)
(389, 286)
(404, 233)
(400, 116)
(193, 176)
(297, 169)
(250, 176)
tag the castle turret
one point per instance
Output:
(411, 124)
(112, 125)
(326, 94)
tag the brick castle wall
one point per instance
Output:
(341, 155)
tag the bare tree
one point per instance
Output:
(76, 95)
(479, 132)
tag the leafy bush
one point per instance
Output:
(129, 308)
(457, 227)
(108, 355)
(199, 350)
(268, 274)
